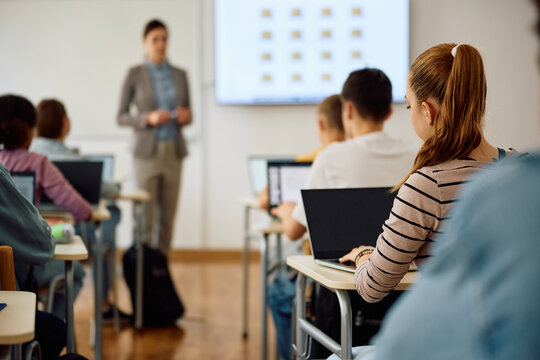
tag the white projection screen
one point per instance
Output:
(301, 51)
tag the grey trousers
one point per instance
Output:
(160, 176)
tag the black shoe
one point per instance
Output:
(109, 315)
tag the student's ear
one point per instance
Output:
(321, 125)
(429, 111)
(348, 110)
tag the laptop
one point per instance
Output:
(25, 182)
(339, 220)
(285, 179)
(257, 167)
(85, 176)
(108, 165)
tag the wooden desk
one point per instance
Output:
(337, 281)
(70, 252)
(138, 198)
(18, 317)
(267, 228)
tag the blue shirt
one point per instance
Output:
(165, 92)
(478, 296)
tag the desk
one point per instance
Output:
(17, 321)
(337, 281)
(70, 252)
(138, 198)
(266, 229)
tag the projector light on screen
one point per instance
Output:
(301, 51)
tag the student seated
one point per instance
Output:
(368, 158)
(329, 130)
(52, 127)
(446, 94)
(27, 233)
(17, 124)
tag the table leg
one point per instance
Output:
(300, 309)
(71, 343)
(245, 261)
(346, 323)
(98, 290)
(137, 217)
(264, 296)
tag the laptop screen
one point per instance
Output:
(257, 167)
(108, 165)
(285, 179)
(84, 176)
(340, 219)
(25, 181)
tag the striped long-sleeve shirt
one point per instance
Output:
(417, 216)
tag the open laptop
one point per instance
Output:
(339, 220)
(85, 176)
(257, 167)
(25, 181)
(108, 165)
(285, 179)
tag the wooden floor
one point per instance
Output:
(210, 329)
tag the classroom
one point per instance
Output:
(234, 138)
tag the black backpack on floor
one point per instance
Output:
(161, 304)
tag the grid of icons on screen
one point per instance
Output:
(298, 54)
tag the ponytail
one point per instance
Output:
(454, 77)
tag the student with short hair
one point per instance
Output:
(17, 123)
(329, 130)
(53, 125)
(446, 94)
(368, 158)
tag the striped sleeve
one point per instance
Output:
(416, 212)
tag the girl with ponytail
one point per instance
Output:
(446, 95)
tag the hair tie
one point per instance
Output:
(454, 50)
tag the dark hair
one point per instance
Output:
(17, 118)
(370, 91)
(151, 25)
(50, 118)
(331, 109)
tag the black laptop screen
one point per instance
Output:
(341, 219)
(84, 176)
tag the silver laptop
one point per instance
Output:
(339, 220)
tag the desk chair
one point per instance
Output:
(8, 283)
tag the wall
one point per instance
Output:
(40, 38)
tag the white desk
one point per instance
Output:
(70, 252)
(17, 322)
(138, 198)
(337, 281)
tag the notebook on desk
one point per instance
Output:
(285, 179)
(25, 182)
(339, 220)
(85, 176)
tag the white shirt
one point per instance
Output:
(372, 160)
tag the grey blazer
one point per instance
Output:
(137, 89)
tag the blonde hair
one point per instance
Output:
(458, 84)
(331, 109)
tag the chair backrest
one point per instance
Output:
(7, 269)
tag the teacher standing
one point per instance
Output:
(160, 94)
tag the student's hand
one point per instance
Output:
(183, 115)
(263, 200)
(351, 256)
(284, 210)
(158, 117)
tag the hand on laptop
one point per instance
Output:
(351, 256)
